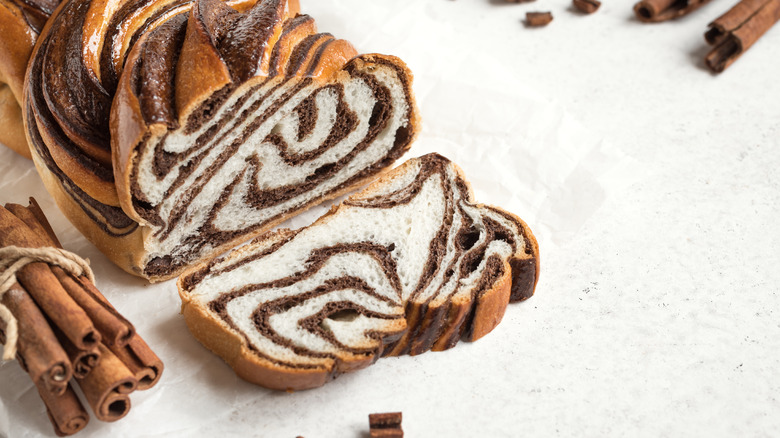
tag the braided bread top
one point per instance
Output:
(143, 112)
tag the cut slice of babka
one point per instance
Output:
(171, 130)
(409, 264)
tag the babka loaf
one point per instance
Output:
(20, 21)
(171, 130)
(409, 264)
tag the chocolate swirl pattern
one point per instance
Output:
(169, 130)
(408, 265)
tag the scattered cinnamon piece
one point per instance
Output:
(733, 33)
(587, 6)
(537, 19)
(653, 11)
(385, 420)
(386, 425)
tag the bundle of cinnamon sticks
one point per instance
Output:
(67, 332)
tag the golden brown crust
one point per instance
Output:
(334, 58)
(99, 189)
(123, 251)
(16, 44)
(201, 70)
(531, 256)
(534, 247)
(127, 128)
(11, 124)
(491, 306)
(226, 343)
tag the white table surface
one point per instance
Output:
(651, 184)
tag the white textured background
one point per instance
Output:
(652, 185)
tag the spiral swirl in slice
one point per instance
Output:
(408, 265)
(171, 130)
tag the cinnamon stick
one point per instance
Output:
(82, 361)
(38, 350)
(106, 388)
(654, 11)
(33, 217)
(141, 361)
(43, 286)
(65, 411)
(734, 32)
(113, 327)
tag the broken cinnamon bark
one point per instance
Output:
(536, 19)
(587, 6)
(653, 11)
(734, 32)
(386, 425)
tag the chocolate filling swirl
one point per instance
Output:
(409, 265)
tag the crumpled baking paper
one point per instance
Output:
(519, 151)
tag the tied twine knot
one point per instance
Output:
(12, 259)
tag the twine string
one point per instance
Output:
(12, 259)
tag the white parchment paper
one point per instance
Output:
(519, 151)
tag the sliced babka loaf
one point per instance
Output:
(172, 130)
(407, 265)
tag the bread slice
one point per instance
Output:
(407, 265)
(195, 126)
